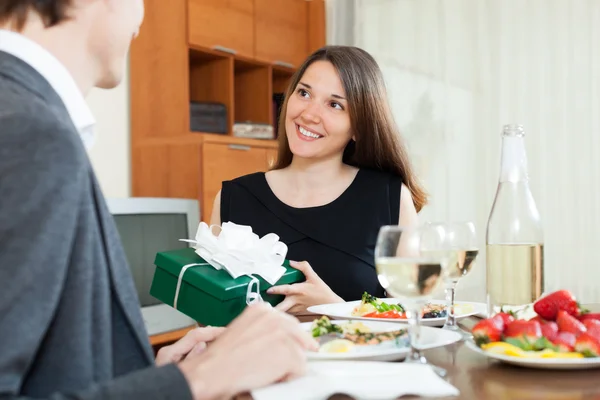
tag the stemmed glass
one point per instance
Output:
(406, 271)
(460, 240)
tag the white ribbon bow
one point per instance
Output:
(239, 251)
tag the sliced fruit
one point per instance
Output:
(592, 327)
(505, 317)
(487, 330)
(503, 348)
(538, 319)
(514, 351)
(548, 306)
(554, 354)
(337, 346)
(549, 329)
(564, 342)
(584, 317)
(587, 345)
(568, 323)
(523, 334)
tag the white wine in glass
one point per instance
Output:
(460, 240)
(465, 260)
(413, 278)
(408, 273)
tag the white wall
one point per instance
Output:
(110, 154)
(457, 71)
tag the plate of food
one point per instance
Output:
(369, 340)
(371, 308)
(559, 336)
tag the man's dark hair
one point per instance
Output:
(52, 12)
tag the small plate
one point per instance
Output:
(462, 309)
(430, 338)
(539, 363)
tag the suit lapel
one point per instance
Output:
(122, 280)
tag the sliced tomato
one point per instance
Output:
(392, 314)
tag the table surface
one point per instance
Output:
(479, 378)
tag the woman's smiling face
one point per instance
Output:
(317, 119)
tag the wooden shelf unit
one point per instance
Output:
(234, 52)
(237, 53)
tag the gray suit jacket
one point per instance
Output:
(70, 323)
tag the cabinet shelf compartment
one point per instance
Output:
(211, 80)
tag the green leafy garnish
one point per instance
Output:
(323, 326)
(379, 305)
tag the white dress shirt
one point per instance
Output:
(57, 76)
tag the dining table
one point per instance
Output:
(477, 377)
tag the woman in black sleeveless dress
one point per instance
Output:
(341, 173)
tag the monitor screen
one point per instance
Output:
(143, 235)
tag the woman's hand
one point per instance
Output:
(192, 343)
(299, 296)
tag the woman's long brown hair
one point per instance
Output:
(378, 143)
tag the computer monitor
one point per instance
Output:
(147, 226)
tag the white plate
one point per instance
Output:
(463, 309)
(430, 338)
(539, 363)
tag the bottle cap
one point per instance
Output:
(514, 130)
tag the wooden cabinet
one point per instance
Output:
(221, 162)
(316, 25)
(166, 170)
(160, 73)
(281, 31)
(180, 57)
(226, 25)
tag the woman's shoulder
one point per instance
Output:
(252, 179)
(380, 177)
(253, 184)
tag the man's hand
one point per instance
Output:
(299, 296)
(194, 342)
(260, 347)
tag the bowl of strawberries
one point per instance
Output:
(561, 335)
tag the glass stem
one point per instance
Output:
(414, 331)
(450, 321)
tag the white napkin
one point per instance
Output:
(363, 380)
(240, 251)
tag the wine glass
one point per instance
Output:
(460, 240)
(413, 275)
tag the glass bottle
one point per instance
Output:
(514, 237)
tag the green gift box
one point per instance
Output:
(210, 296)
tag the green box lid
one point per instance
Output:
(217, 283)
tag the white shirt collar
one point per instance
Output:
(57, 76)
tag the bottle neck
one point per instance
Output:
(513, 166)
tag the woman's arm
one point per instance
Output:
(408, 212)
(215, 217)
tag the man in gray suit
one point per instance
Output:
(70, 324)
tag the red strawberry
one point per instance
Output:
(523, 334)
(588, 345)
(584, 317)
(592, 327)
(568, 323)
(538, 319)
(549, 329)
(505, 317)
(486, 331)
(548, 306)
(564, 341)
